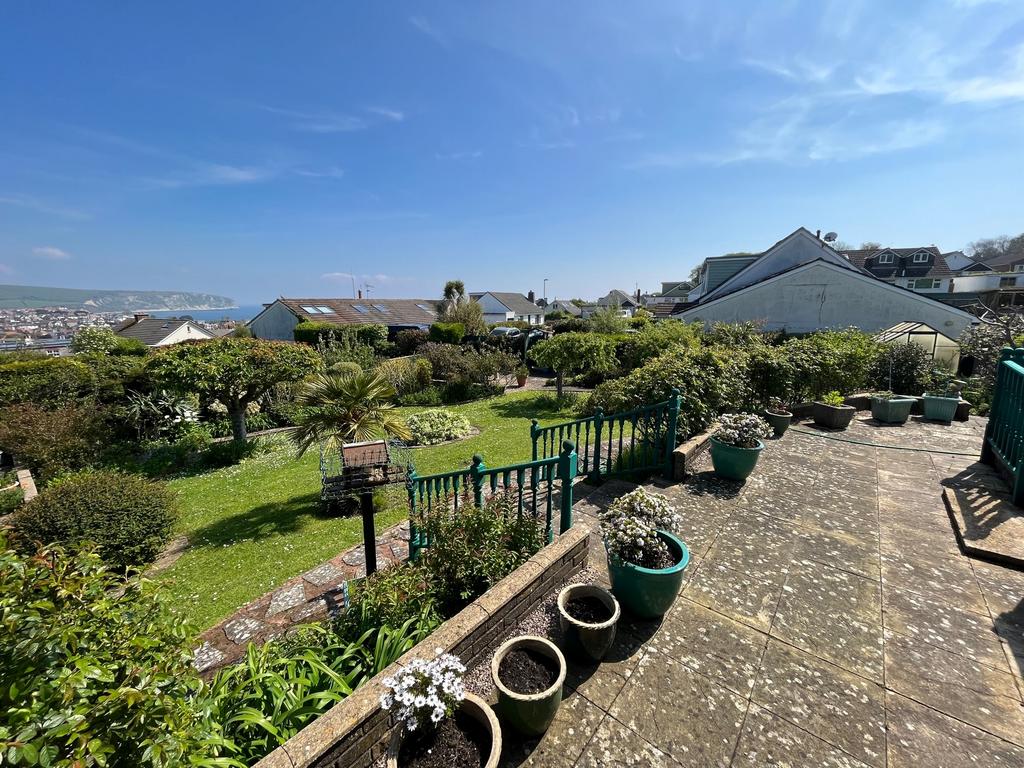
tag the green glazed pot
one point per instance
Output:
(780, 421)
(894, 411)
(938, 408)
(647, 592)
(734, 463)
(529, 713)
(587, 641)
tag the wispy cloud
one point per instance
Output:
(213, 175)
(465, 155)
(40, 206)
(394, 115)
(332, 172)
(799, 70)
(428, 29)
(51, 253)
(336, 122)
(361, 279)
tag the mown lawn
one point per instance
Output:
(257, 524)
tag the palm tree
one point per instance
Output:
(346, 408)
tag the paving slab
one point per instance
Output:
(746, 599)
(768, 740)
(616, 746)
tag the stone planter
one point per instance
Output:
(648, 592)
(780, 421)
(892, 411)
(833, 416)
(477, 709)
(529, 713)
(939, 408)
(589, 641)
(732, 462)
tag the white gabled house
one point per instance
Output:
(801, 284)
(501, 307)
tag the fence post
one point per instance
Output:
(414, 531)
(476, 474)
(995, 417)
(595, 468)
(567, 461)
(534, 434)
(670, 436)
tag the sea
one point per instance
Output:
(240, 314)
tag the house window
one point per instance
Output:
(310, 310)
(921, 258)
(425, 308)
(325, 310)
(1018, 267)
(924, 283)
(360, 309)
(885, 258)
(380, 308)
(1007, 282)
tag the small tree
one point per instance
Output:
(94, 340)
(458, 307)
(235, 372)
(575, 353)
(608, 320)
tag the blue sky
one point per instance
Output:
(266, 149)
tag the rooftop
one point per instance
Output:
(355, 311)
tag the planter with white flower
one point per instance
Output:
(736, 446)
(645, 560)
(528, 672)
(440, 725)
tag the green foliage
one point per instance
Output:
(94, 340)
(371, 335)
(10, 500)
(472, 549)
(437, 426)
(406, 374)
(769, 375)
(162, 414)
(129, 517)
(241, 331)
(458, 307)
(902, 368)
(447, 333)
(334, 351)
(50, 442)
(831, 360)
(569, 325)
(431, 395)
(635, 349)
(50, 382)
(641, 318)
(709, 381)
(733, 335)
(344, 368)
(97, 671)
(833, 398)
(129, 348)
(410, 340)
(569, 353)
(466, 366)
(235, 372)
(608, 320)
(390, 597)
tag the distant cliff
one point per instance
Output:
(30, 296)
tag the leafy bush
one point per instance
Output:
(607, 321)
(833, 398)
(10, 500)
(437, 426)
(570, 353)
(129, 517)
(831, 360)
(371, 335)
(336, 351)
(569, 325)
(50, 442)
(447, 333)
(902, 368)
(390, 597)
(769, 374)
(51, 382)
(344, 368)
(466, 366)
(410, 340)
(406, 374)
(474, 548)
(734, 335)
(95, 340)
(97, 671)
(635, 349)
(742, 430)
(428, 396)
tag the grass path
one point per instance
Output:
(256, 524)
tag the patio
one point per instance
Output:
(828, 619)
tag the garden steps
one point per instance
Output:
(987, 524)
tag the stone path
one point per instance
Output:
(827, 619)
(311, 596)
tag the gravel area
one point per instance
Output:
(543, 621)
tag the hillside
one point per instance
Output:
(30, 296)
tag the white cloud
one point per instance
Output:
(50, 252)
(214, 175)
(325, 173)
(466, 155)
(799, 70)
(42, 207)
(336, 122)
(393, 115)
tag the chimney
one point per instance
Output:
(360, 293)
(817, 234)
(638, 297)
(141, 316)
(531, 297)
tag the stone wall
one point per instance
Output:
(353, 734)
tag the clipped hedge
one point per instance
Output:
(447, 333)
(49, 382)
(371, 335)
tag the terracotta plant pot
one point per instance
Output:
(833, 416)
(476, 708)
(780, 421)
(649, 592)
(733, 462)
(589, 641)
(521, 381)
(894, 410)
(529, 713)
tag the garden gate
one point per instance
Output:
(1003, 447)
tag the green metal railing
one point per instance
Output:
(1004, 436)
(618, 444)
(538, 486)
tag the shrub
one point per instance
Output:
(733, 334)
(52, 382)
(742, 430)
(635, 349)
(409, 340)
(630, 528)
(607, 321)
(371, 335)
(97, 671)
(437, 426)
(406, 374)
(390, 598)
(831, 360)
(333, 351)
(94, 340)
(472, 549)
(447, 333)
(52, 442)
(428, 396)
(129, 517)
(10, 500)
(570, 353)
(569, 325)
(462, 365)
(344, 368)
(769, 375)
(902, 368)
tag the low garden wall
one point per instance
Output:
(353, 734)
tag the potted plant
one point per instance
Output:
(831, 412)
(942, 407)
(645, 561)
(438, 718)
(528, 672)
(736, 445)
(778, 416)
(522, 374)
(587, 615)
(891, 409)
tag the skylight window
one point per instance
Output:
(325, 310)
(425, 308)
(310, 310)
(360, 309)
(380, 308)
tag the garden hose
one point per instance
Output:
(877, 445)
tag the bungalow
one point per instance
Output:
(801, 284)
(502, 307)
(161, 331)
(561, 305)
(619, 300)
(279, 318)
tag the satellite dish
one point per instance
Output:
(831, 237)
